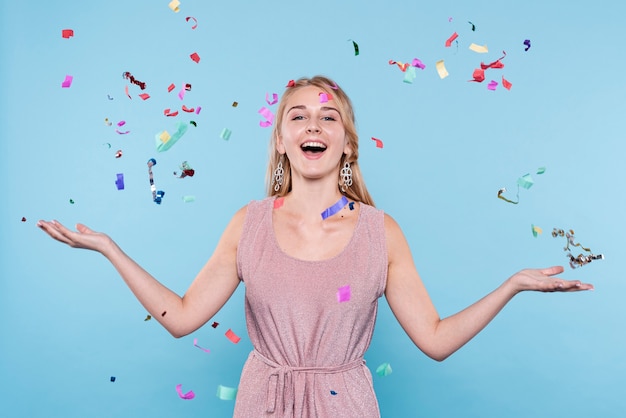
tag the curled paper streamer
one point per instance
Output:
(581, 259)
(195, 25)
(441, 69)
(502, 190)
(187, 396)
(402, 66)
(384, 369)
(473, 26)
(186, 170)
(232, 336)
(127, 93)
(127, 75)
(119, 183)
(343, 294)
(268, 115)
(226, 393)
(330, 211)
(168, 112)
(195, 344)
(451, 39)
(188, 110)
(67, 82)
(157, 196)
(379, 143)
(274, 98)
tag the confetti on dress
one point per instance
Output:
(384, 369)
(343, 294)
(279, 202)
(187, 396)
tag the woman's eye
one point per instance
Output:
(297, 117)
(328, 118)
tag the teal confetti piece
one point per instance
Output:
(384, 369)
(226, 393)
(526, 181)
(181, 128)
(225, 135)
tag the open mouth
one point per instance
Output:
(313, 147)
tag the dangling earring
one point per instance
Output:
(277, 180)
(346, 176)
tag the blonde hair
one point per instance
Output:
(357, 191)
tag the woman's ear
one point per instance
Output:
(347, 149)
(279, 144)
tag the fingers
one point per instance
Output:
(551, 271)
(57, 231)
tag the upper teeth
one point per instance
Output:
(314, 144)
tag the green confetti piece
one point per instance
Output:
(181, 128)
(384, 369)
(225, 135)
(226, 393)
(541, 170)
(536, 230)
(526, 181)
(72, 201)
(189, 199)
(410, 75)
(356, 48)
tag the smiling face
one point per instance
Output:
(312, 134)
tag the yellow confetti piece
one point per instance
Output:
(441, 69)
(536, 230)
(174, 6)
(164, 137)
(479, 49)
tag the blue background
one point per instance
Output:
(68, 323)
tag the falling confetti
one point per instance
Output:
(174, 6)
(536, 230)
(127, 75)
(451, 39)
(225, 134)
(473, 26)
(379, 143)
(186, 396)
(356, 47)
(232, 336)
(195, 344)
(195, 24)
(67, 33)
(527, 43)
(67, 82)
(157, 196)
(581, 259)
(148, 317)
(195, 57)
(112, 378)
(441, 69)
(384, 369)
(119, 183)
(226, 393)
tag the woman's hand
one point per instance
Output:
(544, 280)
(83, 237)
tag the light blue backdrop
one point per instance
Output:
(67, 321)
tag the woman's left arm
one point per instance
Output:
(439, 338)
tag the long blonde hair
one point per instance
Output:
(357, 191)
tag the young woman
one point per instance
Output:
(315, 256)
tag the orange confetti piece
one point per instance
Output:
(379, 143)
(170, 87)
(232, 336)
(188, 110)
(144, 96)
(451, 39)
(506, 83)
(195, 57)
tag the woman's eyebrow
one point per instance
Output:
(302, 107)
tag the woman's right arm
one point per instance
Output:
(210, 290)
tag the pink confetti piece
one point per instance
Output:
(195, 344)
(67, 82)
(170, 88)
(198, 110)
(186, 396)
(379, 143)
(451, 39)
(67, 33)
(343, 294)
(127, 93)
(268, 115)
(492, 85)
(195, 25)
(274, 98)
(418, 63)
(325, 97)
(195, 57)
(121, 123)
(122, 133)
(506, 83)
(144, 96)
(181, 93)
(279, 202)
(232, 336)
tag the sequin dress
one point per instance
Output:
(308, 352)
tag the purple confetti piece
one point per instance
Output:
(335, 208)
(343, 294)
(492, 85)
(120, 181)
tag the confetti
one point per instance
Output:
(235, 104)
(191, 122)
(232, 336)
(188, 110)
(23, 219)
(72, 201)
(168, 112)
(478, 75)
(67, 33)
(195, 25)
(527, 43)
(479, 49)
(291, 83)
(541, 170)
(226, 393)
(274, 98)
(441, 69)
(127, 93)
(418, 63)
(174, 6)
(451, 39)
(189, 199)
(144, 96)
(186, 170)
(148, 317)
(198, 108)
(163, 314)
(379, 143)
(127, 75)
(107, 122)
(581, 259)
(195, 344)
(67, 82)
(121, 133)
(343, 294)
(195, 57)
(225, 134)
(279, 202)
(356, 47)
(268, 115)
(330, 211)
(526, 181)
(473, 26)
(109, 97)
(506, 84)
(170, 88)
(112, 378)
(402, 66)
(351, 205)
(495, 64)
(165, 141)
(325, 97)
(332, 392)
(215, 324)
(186, 396)
(502, 190)
(157, 196)
(410, 75)
(492, 85)
(119, 183)
(384, 369)
(535, 230)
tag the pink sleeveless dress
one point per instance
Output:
(308, 352)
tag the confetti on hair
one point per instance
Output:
(274, 98)
(492, 85)
(473, 26)
(441, 69)
(148, 317)
(581, 259)
(226, 393)
(268, 115)
(195, 57)
(232, 336)
(356, 47)
(225, 134)
(127, 75)
(379, 143)
(325, 97)
(195, 344)
(480, 49)
(330, 211)
(67, 82)
(187, 396)
(195, 25)
(119, 183)
(174, 6)
(157, 196)
(67, 33)
(343, 294)
(291, 83)
(279, 202)
(527, 43)
(384, 369)
(451, 39)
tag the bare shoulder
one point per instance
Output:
(396, 242)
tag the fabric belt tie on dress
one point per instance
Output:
(281, 381)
